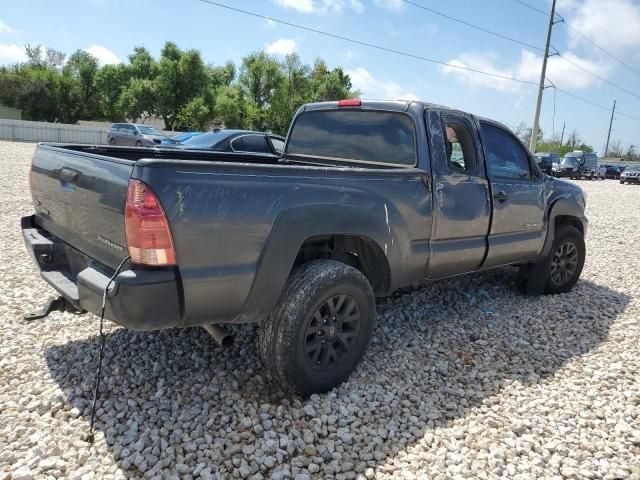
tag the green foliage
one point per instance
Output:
(195, 115)
(111, 81)
(262, 94)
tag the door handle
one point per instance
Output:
(68, 176)
(68, 179)
(501, 196)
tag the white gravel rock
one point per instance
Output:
(463, 379)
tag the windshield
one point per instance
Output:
(150, 131)
(207, 140)
(570, 161)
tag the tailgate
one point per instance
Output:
(80, 197)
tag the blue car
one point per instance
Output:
(181, 137)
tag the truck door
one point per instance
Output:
(461, 203)
(517, 225)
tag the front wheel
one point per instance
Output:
(320, 328)
(566, 259)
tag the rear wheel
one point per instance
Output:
(321, 327)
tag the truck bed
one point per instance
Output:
(237, 220)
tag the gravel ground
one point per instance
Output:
(464, 378)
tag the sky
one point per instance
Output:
(109, 29)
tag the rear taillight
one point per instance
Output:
(148, 235)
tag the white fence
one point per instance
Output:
(10, 113)
(26, 131)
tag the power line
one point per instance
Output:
(471, 25)
(603, 107)
(582, 35)
(367, 44)
(637, 72)
(532, 7)
(402, 53)
(622, 89)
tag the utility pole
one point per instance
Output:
(606, 148)
(543, 73)
(562, 136)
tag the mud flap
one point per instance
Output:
(532, 278)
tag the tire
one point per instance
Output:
(138, 143)
(621, 182)
(566, 259)
(305, 355)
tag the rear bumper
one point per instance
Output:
(137, 299)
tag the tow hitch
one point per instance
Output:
(59, 304)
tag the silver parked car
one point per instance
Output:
(130, 134)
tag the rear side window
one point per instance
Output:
(505, 156)
(250, 143)
(354, 135)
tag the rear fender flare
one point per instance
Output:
(295, 225)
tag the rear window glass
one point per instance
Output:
(356, 135)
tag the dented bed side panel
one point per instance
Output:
(237, 229)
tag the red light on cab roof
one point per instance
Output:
(350, 102)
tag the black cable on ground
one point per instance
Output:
(103, 339)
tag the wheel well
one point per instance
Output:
(358, 251)
(569, 220)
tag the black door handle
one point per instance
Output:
(501, 196)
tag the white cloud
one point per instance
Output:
(349, 55)
(305, 6)
(613, 26)
(4, 28)
(390, 4)
(370, 87)
(562, 73)
(12, 53)
(322, 6)
(103, 54)
(282, 46)
(486, 63)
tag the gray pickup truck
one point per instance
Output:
(368, 197)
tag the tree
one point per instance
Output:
(142, 64)
(182, 76)
(259, 77)
(45, 58)
(630, 154)
(230, 107)
(83, 68)
(262, 94)
(110, 82)
(195, 115)
(137, 99)
(523, 132)
(615, 149)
